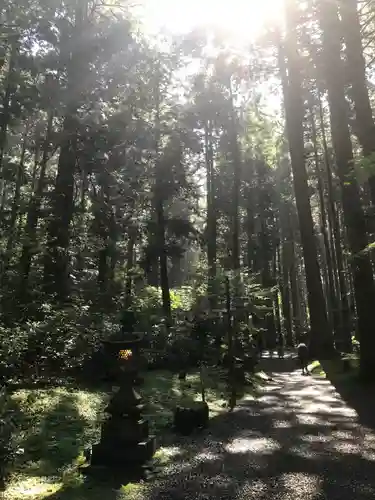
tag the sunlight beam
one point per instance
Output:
(241, 20)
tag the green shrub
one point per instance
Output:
(63, 339)
(355, 344)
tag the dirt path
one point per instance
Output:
(298, 441)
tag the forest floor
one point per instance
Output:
(299, 439)
(55, 423)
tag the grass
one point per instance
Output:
(334, 368)
(315, 368)
(55, 424)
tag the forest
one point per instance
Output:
(167, 174)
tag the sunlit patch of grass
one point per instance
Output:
(132, 491)
(41, 488)
(53, 427)
(335, 368)
(315, 368)
(32, 487)
(56, 424)
(70, 487)
(164, 455)
(162, 391)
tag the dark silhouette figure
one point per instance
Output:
(280, 347)
(303, 357)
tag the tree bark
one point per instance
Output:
(160, 216)
(10, 87)
(29, 243)
(11, 236)
(294, 287)
(236, 158)
(211, 215)
(335, 236)
(250, 231)
(276, 278)
(57, 257)
(285, 296)
(356, 70)
(132, 237)
(327, 254)
(320, 339)
(353, 212)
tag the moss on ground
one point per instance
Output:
(315, 368)
(334, 368)
(57, 423)
(336, 372)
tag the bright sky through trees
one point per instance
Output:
(238, 21)
(241, 20)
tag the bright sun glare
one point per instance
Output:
(241, 20)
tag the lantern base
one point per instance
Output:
(118, 475)
(123, 454)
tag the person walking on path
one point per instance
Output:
(303, 357)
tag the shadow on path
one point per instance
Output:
(298, 440)
(357, 396)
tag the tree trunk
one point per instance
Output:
(160, 216)
(266, 249)
(332, 302)
(335, 236)
(164, 281)
(10, 87)
(15, 209)
(321, 338)
(56, 264)
(29, 242)
(296, 305)
(211, 215)
(132, 237)
(102, 232)
(113, 253)
(353, 212)
(57, 256)
(80, 257)
(285, 296)
(356, 69)
(250, 231)
(276, 278)
(236, 158)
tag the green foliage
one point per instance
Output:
(316, 368)
(61, 340)
(149, 300)
(365, 168)
(55, 424)
(355, 344)
(370, 248)
(52, 426)
(246, 289)
(8, 427)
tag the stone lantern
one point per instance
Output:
(125, 445)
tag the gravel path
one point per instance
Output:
(299, 440)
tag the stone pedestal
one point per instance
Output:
(125, 446)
